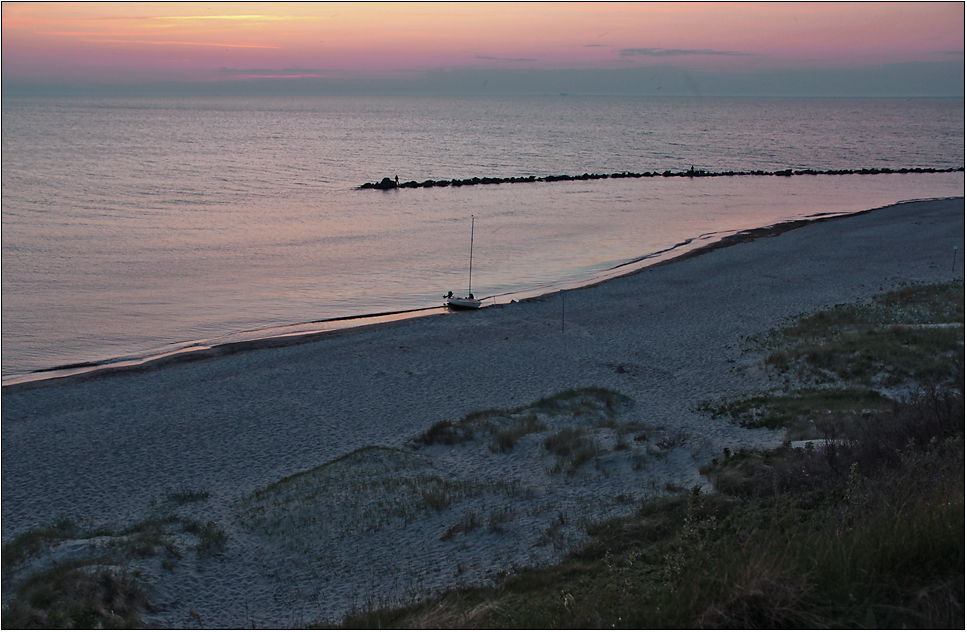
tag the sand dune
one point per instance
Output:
(109, 448)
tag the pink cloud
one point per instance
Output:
(84, 39)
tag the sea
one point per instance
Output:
(138, 227)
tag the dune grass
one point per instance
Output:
(185, 495)
(595, 405)
(589, 400)
(31, 542)
(869, 551)
(865, 532)
(506, 437)
(851, 360)
(909, 335)
(158, 532)
(361, 492)
(572, 447)
(97, 586)
(847, 549)
(79, 594)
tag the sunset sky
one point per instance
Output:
(428, 45)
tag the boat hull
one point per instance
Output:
(463, 303)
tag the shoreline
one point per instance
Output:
(245, 431)
(304, 333)
(288, 335)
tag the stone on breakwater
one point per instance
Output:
(385, 183)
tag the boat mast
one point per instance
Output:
(470, 280)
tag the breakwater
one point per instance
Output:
(394, 183)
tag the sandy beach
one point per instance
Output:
(108, 448)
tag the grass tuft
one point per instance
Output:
(82, 594)
(32, 542)
(506, 437)
(185, 495)
(71, 589)
(587, 400)
(445, 432)
(572, 447)
(910, 335)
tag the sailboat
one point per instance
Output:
(455, 302)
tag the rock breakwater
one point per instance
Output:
(391, 183)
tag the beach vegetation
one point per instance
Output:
(621, 443)
(863, 530)
(572, 447)
(78, 594)
(790, 538)
(673, 440)
(909, 335)
(185, 495)
(507, 426)
(71, 574)
(852, 361)
(446, 432)
(212, 538)
(627, 427)
(804, 412)
(506, 437)
(593, 400)
(498, 516)
(565, 441)
(29, 543)
(401, 496)
(364, 491)
(469, 522)
(160, 532)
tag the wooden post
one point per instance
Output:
(562, 311)
(470, 279)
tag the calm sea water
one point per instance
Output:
(131, 225)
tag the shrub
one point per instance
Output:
(76, 595)
(572, 448)
(446, 433)
(505, 438)
(185, 495)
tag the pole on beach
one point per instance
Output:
(562, 311)
(470, 280)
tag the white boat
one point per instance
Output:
(455, 302)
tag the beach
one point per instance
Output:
(107, 447)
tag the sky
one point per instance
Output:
(791, 49)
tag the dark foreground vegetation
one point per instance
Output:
(863, 531)
(100, 590)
